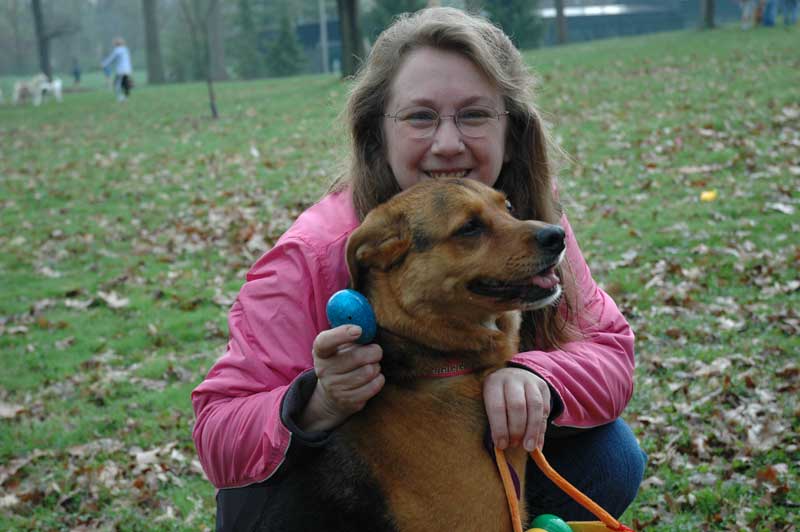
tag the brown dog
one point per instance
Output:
(447, 269)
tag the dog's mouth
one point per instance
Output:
(537, 291)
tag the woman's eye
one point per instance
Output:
(474, 116)
(473, 227)
(419, 117)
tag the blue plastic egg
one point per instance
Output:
(349, 306)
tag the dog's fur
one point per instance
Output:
(414, 460)
(36, 89)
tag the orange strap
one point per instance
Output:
(511, 492)
(558, 480)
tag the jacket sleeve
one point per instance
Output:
(112, 57)
(592, 376)
(239, 434)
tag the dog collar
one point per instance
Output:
(453, 368)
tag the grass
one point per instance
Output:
(125, 230)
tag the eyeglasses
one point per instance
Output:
(474, 121)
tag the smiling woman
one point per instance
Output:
(443, 94)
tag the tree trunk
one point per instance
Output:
(216, 43)
(352, 46)
(197, 34)
(707, 15)
(155, 68)
(42, 40)
(323, 36)
(561, 23)
(19, 58)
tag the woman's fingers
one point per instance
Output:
(538, 411)
(348, 373)
(327, 343)
(494, 400)
(516, 411)
(517, 404)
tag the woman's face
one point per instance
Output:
(445, 82)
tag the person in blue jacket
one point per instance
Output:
(120, 59)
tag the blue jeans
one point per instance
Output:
(606, 463)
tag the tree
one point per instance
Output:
(352, 45)
(42, 42)
(561, 22)
(155, 67)
(707, 14)
(383, 11)
(199, 22)
(285, 55)
(249, 63)
(216, 43)
(518, 19)
(44, 36)
(13, 16)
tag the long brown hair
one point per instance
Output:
(525, 177)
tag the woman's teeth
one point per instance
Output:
(448, 173)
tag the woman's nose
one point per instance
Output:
(447, 138)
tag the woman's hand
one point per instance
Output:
(518, 404)
(348, 375)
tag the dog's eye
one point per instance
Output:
(509, 207)
(473, 227)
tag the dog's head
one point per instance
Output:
(450, 251)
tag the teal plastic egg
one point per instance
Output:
(349, 306)
(551, 523)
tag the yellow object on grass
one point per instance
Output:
(708, 195)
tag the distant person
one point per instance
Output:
(120, 58)
(789, 9)
(76, 71)
(748, 13)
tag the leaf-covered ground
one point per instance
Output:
(125, 232)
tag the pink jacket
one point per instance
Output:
(239, 435)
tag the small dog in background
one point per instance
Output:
(36, 89)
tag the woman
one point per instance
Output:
(286, 381)
(120, 59)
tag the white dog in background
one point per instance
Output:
(37, 89)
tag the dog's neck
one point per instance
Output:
(409, 354)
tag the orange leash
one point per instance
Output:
(558, 480)
(511, 493)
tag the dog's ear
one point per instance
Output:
(381, 241)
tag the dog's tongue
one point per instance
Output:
(547, 279)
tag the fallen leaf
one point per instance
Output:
(10, 411)
(113, 300)
(781, 207)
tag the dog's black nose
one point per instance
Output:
(551, 238)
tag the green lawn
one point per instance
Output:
(125, 231)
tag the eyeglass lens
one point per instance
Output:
(474, 122)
